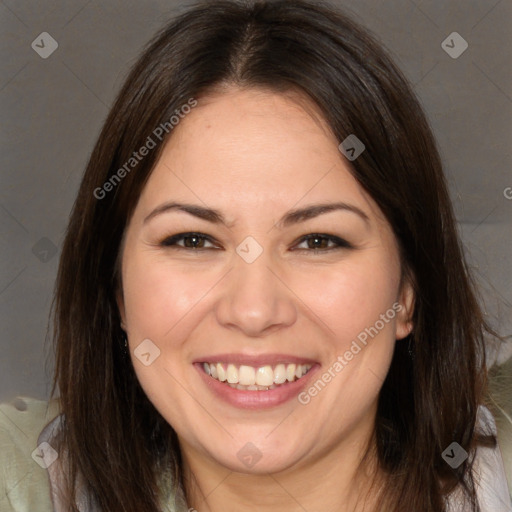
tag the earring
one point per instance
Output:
(125, 346)
(409, 349)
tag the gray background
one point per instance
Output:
(52, 110)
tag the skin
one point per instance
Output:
(254, 155)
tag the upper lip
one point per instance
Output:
(254, 360)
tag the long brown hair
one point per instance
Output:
(113, 436)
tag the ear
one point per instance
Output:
(404, 325)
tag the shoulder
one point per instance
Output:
(488, 472)
(24, 483)
(492, 485)
(30, 467)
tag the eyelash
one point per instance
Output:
(340, 242)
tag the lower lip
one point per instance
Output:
(256, 399)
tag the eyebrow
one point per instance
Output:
(292, 217)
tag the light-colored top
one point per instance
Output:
(29, 468)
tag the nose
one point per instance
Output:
(255, 298)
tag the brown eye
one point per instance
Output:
(193, 241)
(317, 241)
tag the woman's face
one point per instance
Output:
(255, 294)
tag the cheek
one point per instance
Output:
(158, 296)
(159, 306)
(352, 297)
(356, 304)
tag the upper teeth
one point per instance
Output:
(251, 376)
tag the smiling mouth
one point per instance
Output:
(251, 378)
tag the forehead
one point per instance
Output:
(252, 147)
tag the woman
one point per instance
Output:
(262, 301)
